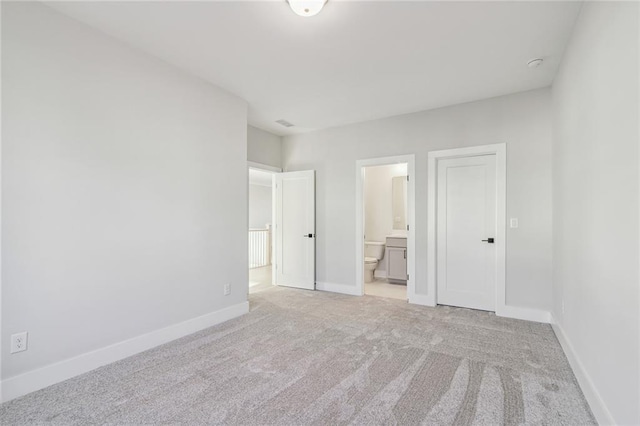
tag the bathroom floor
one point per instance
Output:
(380, 287)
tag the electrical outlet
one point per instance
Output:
(227, 289)
(19, 342)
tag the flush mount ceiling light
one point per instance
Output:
(306, 7)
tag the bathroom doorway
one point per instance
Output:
(385, 237)
(260, 232)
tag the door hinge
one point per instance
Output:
(407, 277)
(407, 178)
(407, 227)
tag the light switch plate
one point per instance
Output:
(513, 222)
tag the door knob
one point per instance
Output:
(489, 240)
(308, 235)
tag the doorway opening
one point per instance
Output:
(385, 235)
(281, 226)
(260, 232)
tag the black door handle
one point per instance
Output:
(489, 240)
(308, 235)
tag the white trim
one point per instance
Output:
(338, 288)
(260, 166)
(410, 159)
(274, 227)
(526, 314)
(34, 380)
(499, 150)
(420, 299)
(596, 403)
(515, 312)
(3, 338)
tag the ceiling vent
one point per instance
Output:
(535, 63)
(284, 123)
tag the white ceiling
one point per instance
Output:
(355, 61)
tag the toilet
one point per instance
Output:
(373, 252)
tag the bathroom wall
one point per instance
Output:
(378, 203)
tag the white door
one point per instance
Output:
(466, 225)
(295, 229)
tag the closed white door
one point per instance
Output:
(466, 225)
(295, 229)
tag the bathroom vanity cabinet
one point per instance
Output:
(396, 259)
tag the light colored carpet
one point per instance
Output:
(302, 357)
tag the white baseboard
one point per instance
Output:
(421, 299)
(507, 311)
(597, 405)
(526, 314)
(338, 288)
(34, 380)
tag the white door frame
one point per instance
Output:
(500, 151)
(411, 219)
(267, 168)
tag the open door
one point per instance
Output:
(295, 231)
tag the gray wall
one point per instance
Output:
(123, 191)
(522, 120)
(595, 202)
(264, 147)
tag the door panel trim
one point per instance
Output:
(500, 151)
